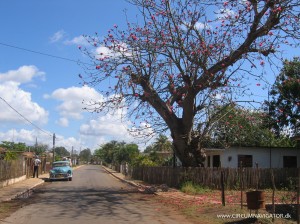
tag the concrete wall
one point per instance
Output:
(261, 156)
(11, 181)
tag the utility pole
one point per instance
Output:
(53, 147)
(72, 155)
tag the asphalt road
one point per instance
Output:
(93, 196)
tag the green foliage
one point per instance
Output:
(190, 188)
(143, 160)
(61, 152)
(284, 105)
(12, 149)
(85, 155)
(20, 147)
(38, 149)
(243, 127)
(161, 144)
(155, 151)
(10, 155)
(117, 152)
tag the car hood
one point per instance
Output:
(63, 169)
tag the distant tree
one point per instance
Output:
(239, 126)
(38, 149)
(164, 69)
(162, 144)
(149, 149)
(117, 152)
(126, 153)
(61, 152)
(143, 160)
(20, 146)
(85, 155)
(12, 149)
(284, 106)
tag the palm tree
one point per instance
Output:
(162, 144)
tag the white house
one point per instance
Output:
(233, 157)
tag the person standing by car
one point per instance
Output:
(36, 164)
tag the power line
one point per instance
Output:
(25, 117)
(44, 54)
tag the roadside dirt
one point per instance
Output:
(204, 208)
(9, 207)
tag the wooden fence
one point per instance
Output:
(19, 167)
(12, 169)
(249, 178)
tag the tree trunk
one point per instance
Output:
(187, 147)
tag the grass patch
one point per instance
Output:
(191, 188)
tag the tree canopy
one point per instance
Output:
(85, 155)
(239, 126)
(115, 152)
(284, 106)
(167, 69)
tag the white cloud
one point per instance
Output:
(109, 126)
(14, 98)
(198, 26)
(64, 122)
(57, 36)
(224, 13)
(201, 26)
(72, 98)
(68, 143)
(29, 137)
(24, 74)
(121, 49)
(22, 102)
(80, 40)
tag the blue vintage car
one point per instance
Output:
(61, 170)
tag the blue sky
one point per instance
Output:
(46, 90)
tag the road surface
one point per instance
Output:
(93, 196)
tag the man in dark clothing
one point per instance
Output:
(36, 163)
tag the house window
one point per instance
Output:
(216, 161)
(208, 161)
(290, 161)
(245, 160)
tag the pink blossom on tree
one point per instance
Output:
(167, 70)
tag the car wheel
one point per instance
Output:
(70, 178)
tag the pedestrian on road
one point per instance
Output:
(36, 164)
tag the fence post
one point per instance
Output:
(273, 194)
(241, 183)
(298, 195)
(223, 187)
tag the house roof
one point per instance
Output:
(28, 154)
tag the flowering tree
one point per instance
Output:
(167, 70)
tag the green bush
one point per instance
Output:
(191, 188)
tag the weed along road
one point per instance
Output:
(94, 196)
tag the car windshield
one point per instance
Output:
(61, 164)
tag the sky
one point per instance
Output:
(40, 91)
(42, 95)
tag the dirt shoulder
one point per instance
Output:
(9, 207)
(208, 209)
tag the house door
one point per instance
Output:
(216, 161)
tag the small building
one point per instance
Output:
(264, 157)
